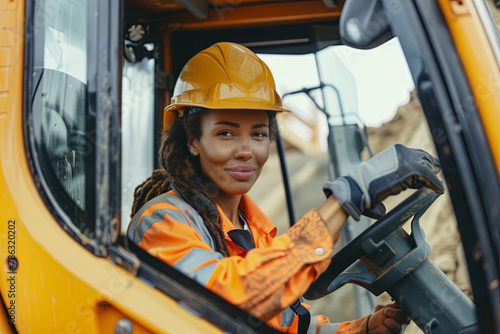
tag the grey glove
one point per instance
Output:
(387, 173)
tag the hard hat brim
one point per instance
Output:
(169, 112)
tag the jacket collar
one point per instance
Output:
(256, 219)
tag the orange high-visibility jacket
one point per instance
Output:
(265, 280)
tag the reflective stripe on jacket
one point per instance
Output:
(264, 281)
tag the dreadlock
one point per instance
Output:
(180, 168)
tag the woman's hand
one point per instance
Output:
(387, 173)
(384, 319)
(387, 319)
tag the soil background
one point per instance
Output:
(307, 173)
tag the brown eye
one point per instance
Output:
(260, 134)
(225, 134)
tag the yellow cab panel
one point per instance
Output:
(58, 275)
(64, 66)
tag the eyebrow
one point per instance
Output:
(236, 125)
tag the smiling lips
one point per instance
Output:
(241, 173)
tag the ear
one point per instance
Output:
(192, 145)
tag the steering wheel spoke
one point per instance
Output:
(385, 258)
(372, 242)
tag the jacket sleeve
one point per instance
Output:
(321, 325)
(264, 282)
(359, 326)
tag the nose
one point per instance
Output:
(244, 150)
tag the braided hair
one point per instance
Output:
(180, 168)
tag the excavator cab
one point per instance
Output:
(82, 89)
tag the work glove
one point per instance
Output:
(387, 173)
(387, 319)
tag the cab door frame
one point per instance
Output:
(104, 90)
(104, 45)
(459, 136)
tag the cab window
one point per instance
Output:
(346, 105)
(489, 13)
(61, 135)
(137, 128)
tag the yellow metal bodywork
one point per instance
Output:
(58, 286)
(480, 65)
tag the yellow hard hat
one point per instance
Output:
(224, 76)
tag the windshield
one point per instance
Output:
(489, 13)
(347, 104)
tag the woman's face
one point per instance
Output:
(233, 148)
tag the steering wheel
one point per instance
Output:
(371, 241)
(385, 258)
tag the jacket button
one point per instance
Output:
(319, 251)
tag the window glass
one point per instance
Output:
(59, 110)
(489, 12)
(494, 7)
(303, 130)
(138, 133)
(376, 90)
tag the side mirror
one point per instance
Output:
(364, 24)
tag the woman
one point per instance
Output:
(195, 215)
